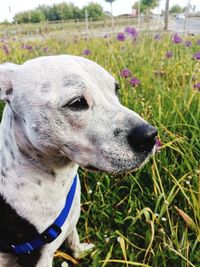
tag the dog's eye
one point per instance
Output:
(77, 104)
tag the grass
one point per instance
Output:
(151, 217)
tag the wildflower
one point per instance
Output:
(107, 239)
(98, 183)
(131, 31)
(45, 49)
(121, 37)
(90, 191)
(157, 37)
(187, 182)
(5, 49)
(188, 43)
(125, 73)
(65, 264)
(134, 81)
(169, 54)
(163, 219)
(86, 52)
(197, 86)
(196, 56)
(27, 47)
(198, 42)
(156, 214)
(176, 39)
(158, 144)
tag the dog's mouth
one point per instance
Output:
(120, 165)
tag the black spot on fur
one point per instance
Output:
(39, 155)
(15, 117)
(16, 230)
(6, 143)
(3, 173)
(36, 198)
(12, 154)
(9, 91)
(19, 186)
(45, 87)
(39, 182)
(53, 173)
(3, 160)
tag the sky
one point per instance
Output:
(119, 6)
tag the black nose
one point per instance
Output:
(142, 137)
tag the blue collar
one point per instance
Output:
(53, 231)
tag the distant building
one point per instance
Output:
(125, 16)
(134, 12)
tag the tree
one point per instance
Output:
(139, 5)
(146, 5)
(36, 16)
(95, 11)
(32, 16)
(175, 9)
(62, 11)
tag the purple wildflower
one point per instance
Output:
(45, 49)
(196, 56)
(134, 81)
(188, 43)
(158, 144)
(157, 37)
(176, 39)
(5, 49)
(121, 36)
(125, 73)
(27, 47)
(169, 54)
(198, 42)
(197, 86)
(131, 31)
(86, 52)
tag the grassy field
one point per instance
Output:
(152, 217)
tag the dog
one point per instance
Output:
(61, 112)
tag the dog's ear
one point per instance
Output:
(6, 76)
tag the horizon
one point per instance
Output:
(12, 7)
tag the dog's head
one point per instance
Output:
(67, 105)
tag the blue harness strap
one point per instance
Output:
(53, 231)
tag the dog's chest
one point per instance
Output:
(30, 212)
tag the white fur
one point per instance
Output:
(64, 138)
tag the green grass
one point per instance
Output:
(137, 219)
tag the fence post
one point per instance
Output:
(86, 21)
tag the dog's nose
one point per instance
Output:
(142, 137)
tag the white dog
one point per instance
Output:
(61, 112)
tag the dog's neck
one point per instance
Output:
(28, 175)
